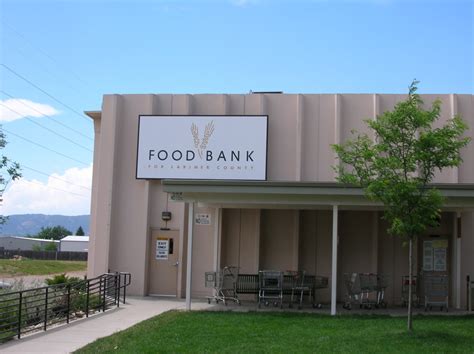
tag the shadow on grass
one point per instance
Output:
(435, 337)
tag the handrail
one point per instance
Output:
(35, 309)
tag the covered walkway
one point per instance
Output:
(331, 196)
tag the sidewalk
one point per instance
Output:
(67, 338)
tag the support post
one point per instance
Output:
(334, 260)
(217, 227)
(457, 248)
(190, 255)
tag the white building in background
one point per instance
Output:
(74, 244)
(24, 243)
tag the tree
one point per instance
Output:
(80, 231)
(46, 247)
(50, 247)
(36, 247)
(396, 166)
(9, 171)
(53, 233)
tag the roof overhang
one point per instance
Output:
(95, 115)
(297, 195)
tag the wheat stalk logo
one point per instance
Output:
(199, 144)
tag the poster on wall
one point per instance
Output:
(162, 249)
(202, 147)
(202, 219)
(427, 256)
(439, 259)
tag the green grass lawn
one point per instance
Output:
(232, 332)
(10, 267)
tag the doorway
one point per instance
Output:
(434, 261)
(164, 262)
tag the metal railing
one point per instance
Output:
(37, 309)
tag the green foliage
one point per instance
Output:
(45, 247)
(53, 233)
(36, 247)
(9, 171)
(79, 301)
(256, 332)
(50, 247)
(80, 231)
(397, 163)
(62, 279)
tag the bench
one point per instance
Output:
(249, 284)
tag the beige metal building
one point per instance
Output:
(295, 217)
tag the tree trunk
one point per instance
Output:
(410, 282)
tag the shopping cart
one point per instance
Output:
(298, 287)
(270, 287)
(365, 289)
(369, 289)
(414, 290)
(224, 283)
(436, 291)
(353, 290)
(382, 284)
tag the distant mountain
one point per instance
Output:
(31, 224)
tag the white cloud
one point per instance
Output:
(62, 194)
(17, 108)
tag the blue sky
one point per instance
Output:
(76, 51)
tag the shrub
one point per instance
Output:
(50, 247)
(62, 279)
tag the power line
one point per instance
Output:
(44, 147)
(42, 51)
(47, 116)
(43, 91)
(46, 128)
(51, 176)
(45, 68)
(58, 189)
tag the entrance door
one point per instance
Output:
(163, 277)
(435, 262)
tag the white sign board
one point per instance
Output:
(162, 249)
(202, 219)
(202, 147)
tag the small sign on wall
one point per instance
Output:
(202, 219)
(162, 249)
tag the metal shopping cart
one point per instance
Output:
(270, 287)
(224, 283)
(365, 289)
(382, 284)
(369, 288)
(298, 287)
(353, 290)
(436, 291)
(414, 290)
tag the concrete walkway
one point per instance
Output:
(67, 338)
